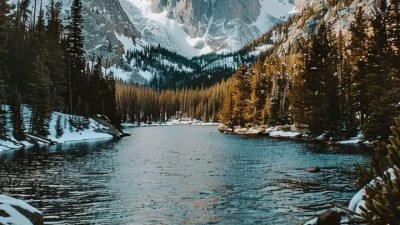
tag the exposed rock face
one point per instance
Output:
(104, 18)
(198, 16)
(210, 24)
(215, 19)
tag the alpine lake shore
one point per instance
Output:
(18, 212)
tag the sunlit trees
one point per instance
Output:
(317, 94)
(138, 104)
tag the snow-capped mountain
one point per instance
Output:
(310, 13)
(192, 27)
(103, 21)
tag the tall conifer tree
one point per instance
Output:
(317, 88)
(358, 47)
(56, 60)
(4, 70)
(75, 57)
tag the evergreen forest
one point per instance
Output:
(328, 83)
(42, 65)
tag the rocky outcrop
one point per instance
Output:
(107, 127)
(216, 25)
(104, 19)
(214, 19)
(17, 212)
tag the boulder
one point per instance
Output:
(329, 217)
(108, 128)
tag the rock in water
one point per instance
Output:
(17, 212)
(314, 170)
(329, 217)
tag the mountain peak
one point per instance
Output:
(199, 27)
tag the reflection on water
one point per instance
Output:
(179, 175)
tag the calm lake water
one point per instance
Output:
(180, 175)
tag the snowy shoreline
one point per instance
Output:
(175, 122)
(290, 132)
(61, 131)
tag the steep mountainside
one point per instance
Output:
(198, 27)
(309, 14)
(104, 19)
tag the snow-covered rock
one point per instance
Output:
(284, 134)
(198, 27)
(358, 199)
(17, 212)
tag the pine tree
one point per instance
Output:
(358, 47)
(15, 104)
(39, 98)
(21, 55)
(241, 96)
(316, 90)
(56, 60)
(59, 128)
(4, 70)
(75, 57)
(383, 196)
(379, 85)
(94, 92)
(226, 116)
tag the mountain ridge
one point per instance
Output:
(193, 28)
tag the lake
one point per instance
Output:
(180, 175)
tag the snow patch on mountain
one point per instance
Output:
(272, 12)
(157, 28)
(165, 26)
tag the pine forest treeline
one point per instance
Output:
(325, 83)
(42, 65)
(139, 104)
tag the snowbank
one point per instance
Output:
(19, 212)
(92, 130)
(357, 201)
(184, 121)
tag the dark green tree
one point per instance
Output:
(4, 70)
(95, 94)
(17, 120)
(59, 128)
(111, 106)
(378, 83)
(39, 98)
(56, 60)
(74, 46)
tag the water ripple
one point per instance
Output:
(180, 175)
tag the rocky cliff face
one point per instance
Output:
(103, 20)
(201, 16)
(210, 25)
